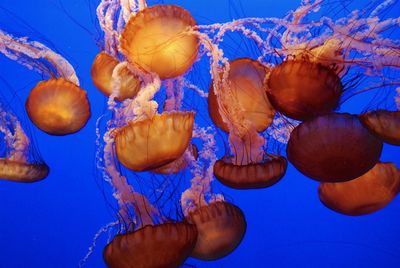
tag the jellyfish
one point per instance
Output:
(319, 69)
(16, 161)
(333, 148)
(147, 238)
(366, 194)
(57, 106)
(156, 40)
(221, 225)
(178, 164)
(110, 72)
(384, 124)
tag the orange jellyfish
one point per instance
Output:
(178, 164)
(221, 227)
(245, 78)
(243, 98)
(365, 194)
(155, 141)
(158, 40)
(302, 89)
(164, 245)
(333, 148)
(107, 73)
(16, 163)
(384, 124)
(57, 106)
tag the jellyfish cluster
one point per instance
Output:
(160, 154)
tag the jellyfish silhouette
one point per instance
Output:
(156, 39)
(333, 148)
(17, 161)
(57, 106)
(366, 194)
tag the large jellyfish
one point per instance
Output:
(17, 161)
(57, 106)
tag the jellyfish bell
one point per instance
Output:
(221, 227)
(154, 142)
(250, 176)
(58, 106)
(333, 148)
(157, 40)
(153, 246)
(245, 79)
(179, 164)
(384, 124)
(365, 194)
(102, 75)
(302, 89)
(19, 171)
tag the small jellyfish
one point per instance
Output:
(384, 124)
(333, 148)
(156, 40)
(163, 245)
(105, 73)
(16, 161)
(57, 106)
(154, 142)
(221, 227)
(365, 194)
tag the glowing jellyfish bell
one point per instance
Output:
(242, 108)
(366, 194)
(57, 106)
(333, 148)
(155, 141)
(17, 163)
(157, 39)
(108, 74)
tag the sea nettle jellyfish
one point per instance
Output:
(243, 109)
(365, 194)
(320, 54)
(384, 124)
(110, 72)
(221, 225)
(17, 160)
(146, 238)
(154, 142)
(157, 40)
(57, 106)
(333, 148)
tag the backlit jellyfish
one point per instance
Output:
(365, 194)
(221, 225)
(309, 82)
(333, 148)
(110, 73)
(245, 111)
(57, 106)
(16, 160)
(384, 124)
(156, 40)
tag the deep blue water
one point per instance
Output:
(52, 223)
